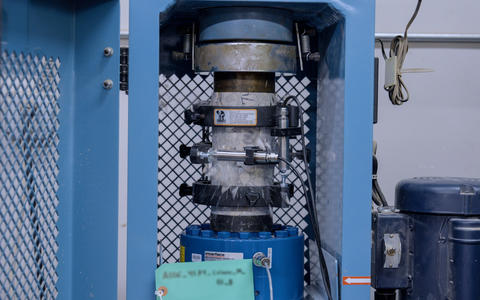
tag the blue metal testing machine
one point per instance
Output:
(238, 95)
(250, 136)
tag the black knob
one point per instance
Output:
(185, 190)
(184, 151)
(193, 117)
(189, 117)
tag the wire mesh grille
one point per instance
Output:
(175, 213)
(28, 175)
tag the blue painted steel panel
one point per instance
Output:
(358, 120)
(95, 147)
(143, 147)
(286, 247)
(75, 33)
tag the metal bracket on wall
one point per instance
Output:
(432, 37)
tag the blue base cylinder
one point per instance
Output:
(285, 245)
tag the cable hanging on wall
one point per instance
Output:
(394, 84)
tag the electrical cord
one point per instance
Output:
(262, 261)
(159, 294)
(270, 285)
(288, 98)
(398, 92)
(323, 265)
(310, 197)
(311, 205)
(377, 195)
(380, 194)
(375, 199)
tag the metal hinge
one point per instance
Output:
(124, 69)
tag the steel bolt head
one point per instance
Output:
(108, 51)
(108, 84)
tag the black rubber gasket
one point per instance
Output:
(239, 196)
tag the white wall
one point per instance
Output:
(436, 132)
(436, 16)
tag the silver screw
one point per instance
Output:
(391, 252)
(108, 84)
(108, 51)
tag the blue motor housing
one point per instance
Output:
(437, 227)
(285, 245)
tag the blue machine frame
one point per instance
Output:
(348, 248)
(76, 33)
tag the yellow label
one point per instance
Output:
(182, 253)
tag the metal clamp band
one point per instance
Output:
(246, 57)
(240, 116)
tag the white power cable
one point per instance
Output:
(270, 285)
(397, 90)
(262, 261)
(159, 293)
